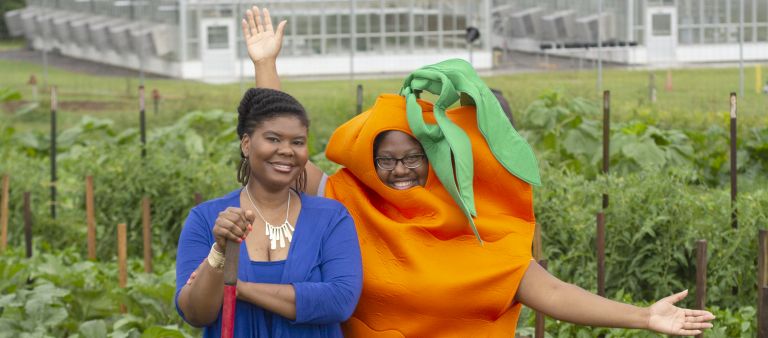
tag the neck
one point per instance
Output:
(266, 197)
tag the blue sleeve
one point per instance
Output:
(333, 299)
(194, 244)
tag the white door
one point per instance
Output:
(661, 34)
(218, 50)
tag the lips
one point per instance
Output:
(402, 185)
(282, 167)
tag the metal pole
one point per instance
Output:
(762, 284)
(142, 123)
(27, 224)
(601, 254)
(701, 275)
(53, 152)
(599, 46)
(353, 39)
(606, 138)
(734, 186)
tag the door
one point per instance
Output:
(218, 50)
(661, 34)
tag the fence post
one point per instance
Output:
(537, 249)
(156, 100)
(762, 284)
(142, 122)
(652, 87)
(540, 318)
(4, 214)
(198, 198)
(90, 217)
(701, 275)
(122, 258)
(53, 152)
(28, 224)
(601, 254)
(359, 99)
(734, 192)
(147, 234)
(606, 138)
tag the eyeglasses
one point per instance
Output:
(410, 161)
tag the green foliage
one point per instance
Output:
(567, 133)
(60, 295)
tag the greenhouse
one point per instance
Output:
(202, 39)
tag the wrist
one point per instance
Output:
(645, 318)
(215, 258)
(265, 62)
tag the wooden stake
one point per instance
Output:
(90, 217)
(540, 318)
(28, 224)
(198, 198)
(701, 275)
(122, 258)
(4, 214)
(147, 231)
(537, 249)
(601, 254)
(762, 284)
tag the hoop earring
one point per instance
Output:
(244, 171)
(300, 184)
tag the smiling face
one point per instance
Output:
(399, 145)
(276, 151)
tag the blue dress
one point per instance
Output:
(323, 265)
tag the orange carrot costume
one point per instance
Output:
(425, 274)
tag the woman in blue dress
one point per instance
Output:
(300, 272)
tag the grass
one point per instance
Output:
(699, 97)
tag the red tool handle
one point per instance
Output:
(231, 255)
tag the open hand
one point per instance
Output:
(261, 39)
(667, 318)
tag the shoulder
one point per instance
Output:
(321, 203)
(217, 205)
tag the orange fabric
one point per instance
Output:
(425, 274)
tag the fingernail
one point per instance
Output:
(239, 240)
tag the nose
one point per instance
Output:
(284, 149)
(400, 169)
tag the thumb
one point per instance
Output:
(281, 29)
(250, 216)
(676, 297)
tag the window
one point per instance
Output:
(218, 37)
(662, 24)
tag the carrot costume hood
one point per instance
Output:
(425, 273)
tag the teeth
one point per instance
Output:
(282, 167)
(404, 184)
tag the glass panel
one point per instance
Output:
(218, 37)
(661, 24)
(375, 23)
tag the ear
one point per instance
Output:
(245, 145)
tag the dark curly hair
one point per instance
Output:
(257, 106)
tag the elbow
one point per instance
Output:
(198, 320)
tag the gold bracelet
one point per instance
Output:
(215, 258)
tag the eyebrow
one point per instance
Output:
(274, 133)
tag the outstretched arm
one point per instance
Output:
(263, 43)
(543, 292)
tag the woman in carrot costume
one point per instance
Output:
(442, 202)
